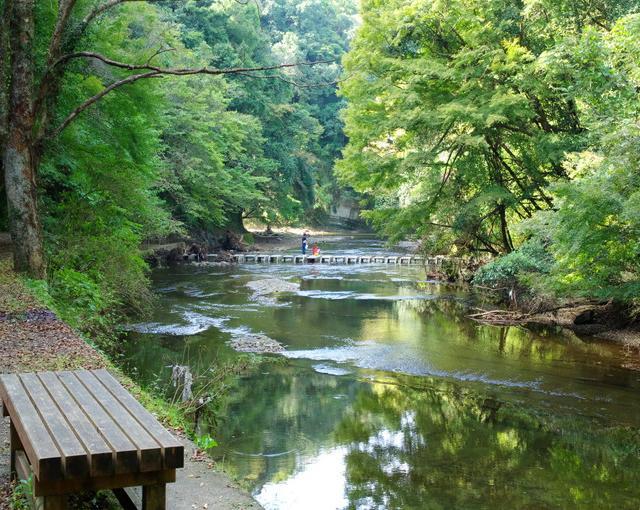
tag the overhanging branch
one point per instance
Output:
(77, 111)
(182, 71)
(155, 72)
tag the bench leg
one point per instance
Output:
(154, 497)
(15, 446)
(124, 499)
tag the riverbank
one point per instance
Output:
(32, 338)
(601, 321)
(289, 238)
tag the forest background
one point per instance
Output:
(481, 128)
(174, 156)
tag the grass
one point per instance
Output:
(15, 296)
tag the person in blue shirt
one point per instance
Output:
(305, 242)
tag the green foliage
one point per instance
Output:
(594, 228)
(205, 442)
(22, 494)
(519, 268)
(451, 119)
(456, 119)
(181, 155)
(293, 134)
(477, 126)
(212, 156)
(80, 300)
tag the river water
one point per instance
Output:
(388, 397)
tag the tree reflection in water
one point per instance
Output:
(439, 447)
(490, 418)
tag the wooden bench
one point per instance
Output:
(81, 430)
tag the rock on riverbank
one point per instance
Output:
(256, 343)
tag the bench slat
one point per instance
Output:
(150, 453)
(100, 453)
(173, 450)
(74, 455)
(126, 460)
(42, 452)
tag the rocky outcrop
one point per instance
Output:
(169, 255)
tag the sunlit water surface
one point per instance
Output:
(390, 398)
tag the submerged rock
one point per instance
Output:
(251, 342)
(263, 289)
(213, 263)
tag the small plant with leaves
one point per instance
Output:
(205, 442)
(21, 495)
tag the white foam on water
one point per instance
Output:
(375, 356)
(196, 323)
(330, 370)
(197, 293)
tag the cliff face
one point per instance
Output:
(346, 213)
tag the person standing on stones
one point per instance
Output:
(305, 242)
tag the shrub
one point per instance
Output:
(516, 269)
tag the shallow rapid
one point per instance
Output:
(383, 395)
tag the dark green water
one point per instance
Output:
(391, 399)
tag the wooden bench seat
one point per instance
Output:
(82, 430)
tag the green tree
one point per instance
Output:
(299, 110)
(594, 230)
(42, 44)
(458, 118)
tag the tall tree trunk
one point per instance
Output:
(19, 158)
(504, 229)
(5, 70)
(5, 74)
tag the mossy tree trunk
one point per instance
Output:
(19, 154)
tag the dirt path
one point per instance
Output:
(198, 486)
(34, 339)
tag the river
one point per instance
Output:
(387, 397)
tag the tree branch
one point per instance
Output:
(154, 72)
(290, 82)
(182, 71)
(65, 7)
(77, 111)
(51, 78)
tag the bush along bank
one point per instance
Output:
(530, 284)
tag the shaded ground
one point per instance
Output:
(199, 487)
(34, 339)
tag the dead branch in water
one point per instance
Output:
(499, 317)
